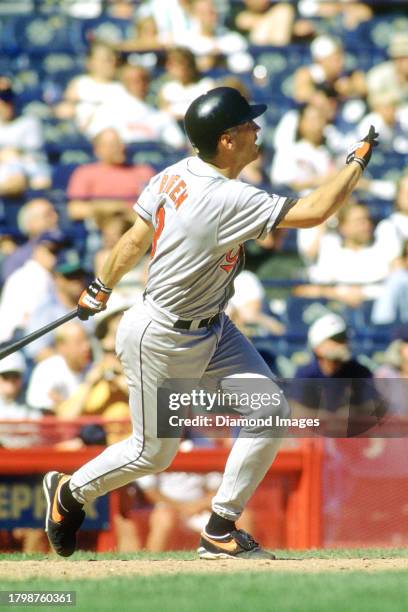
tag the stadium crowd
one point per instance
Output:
(92, 97)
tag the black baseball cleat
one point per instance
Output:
(61, 524)
(235, 545)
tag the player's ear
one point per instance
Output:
(226, 140)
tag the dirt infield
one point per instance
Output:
(54, 568)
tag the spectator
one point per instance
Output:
(213, 44)
(327, 70)
(108, 185)
(342, 121)
(12, 404)
(145, 37)
(392, 231)
(245, 307)
(343, 15)
(307, 163)
(392, 76)
(178, 498)
(35, 277)
(287, 128)
(160, 24)
(56, 378)
(70, 280)
(356, 267)
(264, 24)
(184, 83)
(132, 117)
(391, 305)
(393, 372)
(342, 386)
(103, 391)
(34, 218)
(22, 164)
(85, 93)
(173, 19)
(389, 118)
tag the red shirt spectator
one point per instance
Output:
(108, 183)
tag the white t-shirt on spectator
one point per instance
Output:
(300, 161)
(305, 238)
(184, 487)
(172, 21)
(23, 133)
(136, 121)
(91, 94)
(366, 266)
(392, 233)
(23, 291)
(52, 375)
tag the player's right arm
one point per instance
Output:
(123, 257)
(323, 202)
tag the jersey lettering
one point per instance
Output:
(175, 188)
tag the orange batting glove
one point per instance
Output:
(361, 151)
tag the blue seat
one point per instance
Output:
(381, 29)
(157, 154)
(9, 208)
(386, 164)
(301, 313)
(59, 68)
(109, 29)
(61, 173)
(39, 34)
(361, 57)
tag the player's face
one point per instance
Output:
(245, 142)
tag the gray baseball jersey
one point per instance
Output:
(201, 219)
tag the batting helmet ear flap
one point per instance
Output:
(211, 114)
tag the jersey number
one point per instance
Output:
(160, 216)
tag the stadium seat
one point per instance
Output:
(302, 312)
(57, 69)
(61, 174)
(380, 30)
(9, 207)
(38, 34)
(109, 29)
(157, 154)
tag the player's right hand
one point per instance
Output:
(361, 151)
(93, 299)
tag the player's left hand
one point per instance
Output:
(361, 151)
(93, 299)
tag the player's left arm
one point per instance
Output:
(127, 252)
(124, 256)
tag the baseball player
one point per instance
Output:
(196, 215)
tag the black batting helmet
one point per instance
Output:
(211, 114)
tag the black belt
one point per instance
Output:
(183, 324)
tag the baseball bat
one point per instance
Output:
(15, 346)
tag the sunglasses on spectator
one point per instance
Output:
(10, 375)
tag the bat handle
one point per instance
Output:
(19, 344)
